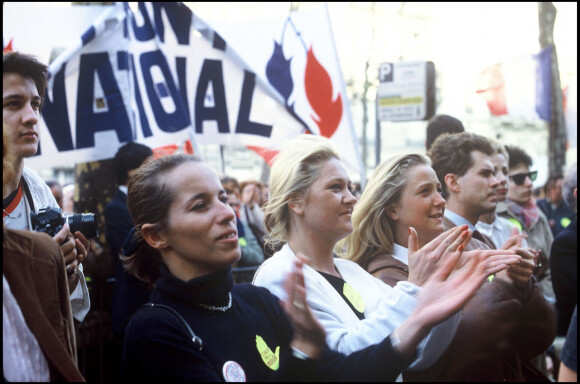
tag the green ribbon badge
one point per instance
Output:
(565, 222)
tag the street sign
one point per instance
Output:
(406, 91)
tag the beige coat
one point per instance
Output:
(34, 267)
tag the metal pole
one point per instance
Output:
(378, 131)
(223, 162)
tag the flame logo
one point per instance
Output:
(327, 113)
(278, 72)
(317, 84)
(318, 87)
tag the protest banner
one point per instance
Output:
(158, 74)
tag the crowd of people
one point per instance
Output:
(443, 267)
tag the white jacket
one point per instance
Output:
(42, 197)
(385, 307)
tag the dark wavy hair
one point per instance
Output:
(28, 67)
(451, 153)
(518, 156)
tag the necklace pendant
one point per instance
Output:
(214, 308)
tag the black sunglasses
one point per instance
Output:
(519, 178)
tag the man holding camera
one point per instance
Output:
(24, 83)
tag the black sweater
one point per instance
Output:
(251, 333)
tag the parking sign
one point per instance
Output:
(403, 93)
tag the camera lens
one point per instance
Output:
(83, 222)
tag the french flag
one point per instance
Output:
(521, 87)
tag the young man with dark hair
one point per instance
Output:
(38, 329)
(464, 168)
(24, 81)
(520, 208)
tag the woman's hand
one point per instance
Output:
(424, 261)
(309, 335)
(494, 261)
(450, 286)
(457, 279)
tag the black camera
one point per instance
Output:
(51, 221)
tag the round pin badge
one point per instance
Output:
(233, 372)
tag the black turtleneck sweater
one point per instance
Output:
(254, 333)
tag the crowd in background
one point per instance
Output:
(351, 291)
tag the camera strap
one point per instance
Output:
(28, 194)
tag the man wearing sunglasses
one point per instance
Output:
(520, 208)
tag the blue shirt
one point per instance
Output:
(458, 220)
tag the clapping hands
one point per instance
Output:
(309, 335)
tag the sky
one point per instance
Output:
(449, 33)
(460, 38)
(456, 36)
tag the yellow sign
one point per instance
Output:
(354, 297)
(272, 360)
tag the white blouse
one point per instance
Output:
(385, 308)
(22, 357)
